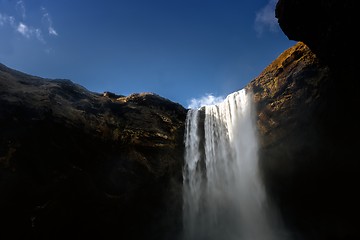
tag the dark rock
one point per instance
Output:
(306, 105)
(326, 26)
(78, 164)
(309, 140)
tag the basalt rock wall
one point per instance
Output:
(307, 123)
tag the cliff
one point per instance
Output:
(324, 25)
(74, 163)
(306, 107)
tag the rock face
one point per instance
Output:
(324, 25)
(79, 164)
(306, 154)
(306, 107)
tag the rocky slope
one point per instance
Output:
(79, 164)
(306, 107)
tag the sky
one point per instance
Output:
(183, 50)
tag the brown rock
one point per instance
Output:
(81, 164)
(308, 141)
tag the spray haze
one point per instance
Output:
(208, 99)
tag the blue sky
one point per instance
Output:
(179, 49)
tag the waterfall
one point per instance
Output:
(223, 195)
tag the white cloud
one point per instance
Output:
(265, 18)
(29, 32)
(22, 27)
(24, 30)
(206, 100)
(48, 21)
(39, 36)
(52, 31)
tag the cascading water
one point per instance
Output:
(222, 191)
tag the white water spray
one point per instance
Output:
(223, 194)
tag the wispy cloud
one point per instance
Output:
(20, 8)
(206, 100)
(48, 22)
(29, 32)
(265, 18)
(26, 30)
(5, 19)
